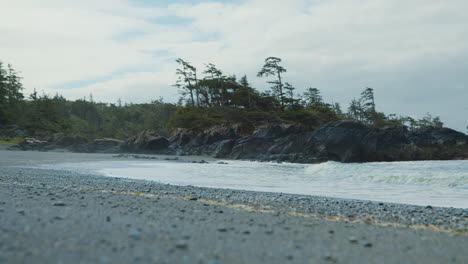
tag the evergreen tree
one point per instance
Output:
(355, 110)
(187, 80)
(272, 67)
(312, 97)
(11, 95)
(337, 109)
(367, 101)
(247, 89)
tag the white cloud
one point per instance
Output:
(404, 49)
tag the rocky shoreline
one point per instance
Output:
(62, 216)
(343, 141)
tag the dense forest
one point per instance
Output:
(207, 98)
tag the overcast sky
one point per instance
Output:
(414, 53)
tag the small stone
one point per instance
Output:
(58, 218)
(185, 236)
(331, 232)
(330, 258)
(289, 257)
(59, 203)
(269, 232)
(246, 232)
(367, 244)
(134, 235)
(429, 207)
(21, 212)
(353, 240)
(108, 219)
(195, 198)
(222, 229)
(181, 245)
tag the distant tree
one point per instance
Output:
(367, 100)
(215, 84)
(289, 94)
(272, 67)
(247, 89)
(187, 80)
(429, 121)
(11, 95)
(355, 110)
(364, 109)
(312, 97)
(337, 108)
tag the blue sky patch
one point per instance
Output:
(84, 83)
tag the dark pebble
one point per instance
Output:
(222, 229)
(181, 245)
(59, 203)
(367, 244)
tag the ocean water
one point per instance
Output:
(436, 183)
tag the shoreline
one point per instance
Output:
(125, 158)
(224, 225)
(267, 200)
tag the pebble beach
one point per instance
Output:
(52, 216)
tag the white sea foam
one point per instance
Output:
(438, 183)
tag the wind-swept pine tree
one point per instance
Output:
(187, 80)
(272, 67)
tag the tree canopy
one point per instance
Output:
(207, 99)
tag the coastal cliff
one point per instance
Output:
(343, 141)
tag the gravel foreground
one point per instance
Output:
(49, 216)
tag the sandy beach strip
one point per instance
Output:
(50, 216)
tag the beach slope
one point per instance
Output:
(51, 216)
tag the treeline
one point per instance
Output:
(216, 98)
(207, 98)
(83, 117)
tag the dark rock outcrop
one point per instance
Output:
(343, 141)
(47, 141)
(147, 142)
(29, 144)
(208, 142)
(50, 141)
(105, 145)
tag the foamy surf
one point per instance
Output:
(437, 183)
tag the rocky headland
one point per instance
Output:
(343, 141)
